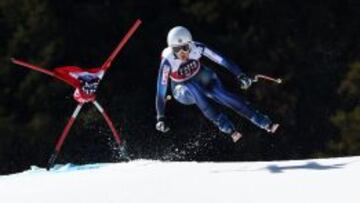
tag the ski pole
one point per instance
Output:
(108, 121)
(256, 79)
(61, 140)
(260, 76)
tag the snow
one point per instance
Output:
(304, 181)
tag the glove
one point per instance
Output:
(245, 81)
(161, 126)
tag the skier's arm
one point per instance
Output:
(221, 60)
(162, 86)
(244, 80)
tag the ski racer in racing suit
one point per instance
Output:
(193, 83)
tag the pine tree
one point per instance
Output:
(347, 118)
(28, 32)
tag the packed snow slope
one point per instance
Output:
(324, 180)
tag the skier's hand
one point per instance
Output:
(245, 81)
(161, 126)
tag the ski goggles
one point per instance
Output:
(185, 48)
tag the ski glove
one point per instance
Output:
(161, 125)
(245, 81)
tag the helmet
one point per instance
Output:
(178, 36)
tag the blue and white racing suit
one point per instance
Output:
(193, 83)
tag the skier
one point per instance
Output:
(194, 83)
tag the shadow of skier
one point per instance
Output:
(310, 165)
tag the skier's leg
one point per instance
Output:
(239, 105)
(192, 93)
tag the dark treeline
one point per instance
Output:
(313, 45)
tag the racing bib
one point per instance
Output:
(185, 71)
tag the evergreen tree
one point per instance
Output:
(28, 32)
(347, 118)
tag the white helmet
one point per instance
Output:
(178, 36)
